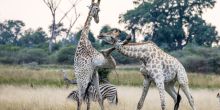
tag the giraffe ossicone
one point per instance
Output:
(157, 66)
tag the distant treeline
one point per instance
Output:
(19, 46)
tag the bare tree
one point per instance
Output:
(53, 6)
(72, 19)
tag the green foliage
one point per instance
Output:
(52, 58)
(66, 55)
(91, 36)
(199, 59)
(107, 28)
(10, 30)
(203, 33)
(168, 19)
(32, 38)
(8, 54)
(28, 55)
(103, 74)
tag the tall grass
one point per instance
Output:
(50, 98)
(19, 75)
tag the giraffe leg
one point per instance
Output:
(88, 103)
(79, 104)
(144, 93)
(160, 86)
(171, 91)
(96, 83)
(186, 91)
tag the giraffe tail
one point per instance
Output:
(176, 107)
(116, 98)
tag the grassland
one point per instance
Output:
(52, 76)
(53, 98)
(49, 93)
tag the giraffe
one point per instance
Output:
(157, 67)
(87, 60)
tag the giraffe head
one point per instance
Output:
(94, 10)
(112, 37)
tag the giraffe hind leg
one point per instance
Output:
(171, 91)
(160, 86)
(186, 91)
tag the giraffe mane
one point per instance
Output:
(142, 43)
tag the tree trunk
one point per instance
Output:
(133, 35)
(52, 34)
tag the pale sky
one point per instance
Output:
(36, 14)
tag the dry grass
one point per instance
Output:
(48, 98)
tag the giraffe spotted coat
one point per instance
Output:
(157, 67)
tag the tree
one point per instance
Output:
(55, 27)
(10, 30)
(169, 18)
(107, 28)
(204, 34)
(32, 37)
(91, 36)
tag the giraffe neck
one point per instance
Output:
(85, 31)
(143, 51)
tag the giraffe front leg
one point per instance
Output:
(160, 85)
(146, 84)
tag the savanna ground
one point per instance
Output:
(48, 91)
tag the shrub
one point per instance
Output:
(199, 59)
(66, 55)
(8, 54)
(32, 55)
(52, 59)
(103, 74)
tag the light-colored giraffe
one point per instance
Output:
(87, 60)
(157, 66)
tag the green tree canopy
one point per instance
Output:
(173, 21)
(107, 28)
(33, 37)
(10, 30)
(91, 36)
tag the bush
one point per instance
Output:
(32, 55)
(199, 59)
(66, 55)
(8, 54)
(52, 59)
(103, 74)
